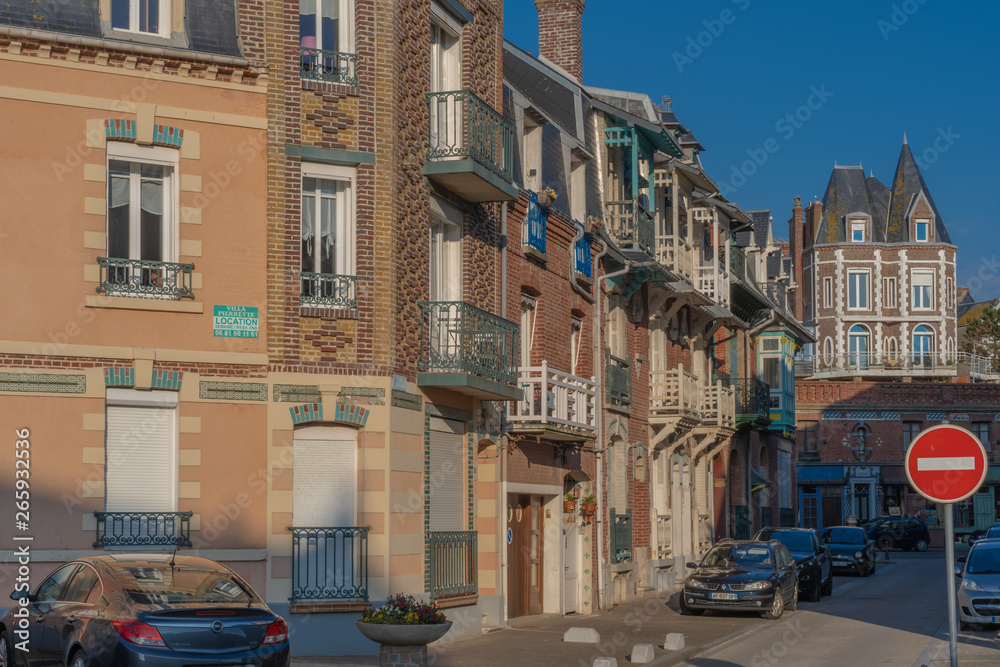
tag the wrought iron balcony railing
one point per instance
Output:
(621, 536)
(631, 224)
(933, 362)
(582, 254)
(329, 290)
(454, 564)
(753, 397)
(554, 398)
(332, 66)
(720, 376)
(457, 337)
(534, 226)
(674, 393)
(145, 278)
(330, 563)
(766, 517)
(463, 125)
(618, 381)
(143, 529)
(738, 262)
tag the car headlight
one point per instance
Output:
(757, 585)
(970, 585)
(694, 583)
(858, 555)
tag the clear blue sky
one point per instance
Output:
(928, 68)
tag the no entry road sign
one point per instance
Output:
(946, 464)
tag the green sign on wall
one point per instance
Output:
(235, 322)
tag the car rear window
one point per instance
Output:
(794, 541)
(179, 585)
(845, 536)
(993, 532)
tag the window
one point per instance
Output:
(889, 287)
(576, 344)
(923, 345)
(923, 289)
(950, 292)
(140, 452)
(532, 155)
(858, 229)
(446, 54)
(828, 350)
(982, 431)
(327, 41)
(923, 230)
(51, 588)
(892, 351)
(616, 326)
(446, 251)
(528, 322)
(807, 435)
(858, 346)
(771, 371)
(578, 189)
(619, 468)
(146, 16)
(857, 290)
(328, 237)
(910, 431)
(828, 292)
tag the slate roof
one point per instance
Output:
(907, 185)
(761, 220)
(971, 311)
(210, 25)
(850, 192)
(525, 75)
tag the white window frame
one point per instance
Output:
(163, 20)
(345, 29)
(889, 288)
(928, 335)
(532, 154)
(930, 289)
(927, 230)
(442, 21)
(346, 248)
(447, 230)
(828, 292)
(862, 303)
(859, 225)
(578, 188)
(155, 155)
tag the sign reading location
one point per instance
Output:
(235, 321)
(946, 464)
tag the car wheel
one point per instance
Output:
(828, 586)
(777, 608)
(5, 657)
(921, 545)
(688, 611)
(885, 543)
(79, 659)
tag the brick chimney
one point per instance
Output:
(795, 236)
(560, 34)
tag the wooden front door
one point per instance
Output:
(524, 555)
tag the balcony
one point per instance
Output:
(559, 405)
(664, 537)
(718, 405)
(469, 350)
(582, 255)
(712, 280)
(143, 529)
(631, 225)
(677, 255)
(753, 402)
(471, 148)
(329, 564)
(618, 382)
(894, 364)
(330, 66)
(782, 410)
(533, 230)
(144, 278)
(621, 536)
(454, 566)
(326, 290)
(674, 394)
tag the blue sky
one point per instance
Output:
(870, 70)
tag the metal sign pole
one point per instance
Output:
(949, 561)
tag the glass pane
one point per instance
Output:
(309, 226)
(862, 290)
(307, 24)
(149, 16)
(119, 14)
(330, 25)
(852, 283)
(151, 237)
(328, 221)
(118, 229)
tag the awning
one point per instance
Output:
(894, 474)
(578, 476)
(993, 474)
(655, 134)
(827, 474)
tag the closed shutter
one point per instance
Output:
(141, 459)
(324, 478)
(660, 468)
(448, 480)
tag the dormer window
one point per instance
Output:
(858, 229)
(923, 230)
(143, 16)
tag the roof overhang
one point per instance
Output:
(656, 135)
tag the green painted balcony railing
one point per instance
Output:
(331, 66)
(621, 536)
(143, 529)
(753, 397)
(720, 376)
(327, 289)
(463, 125)
(631, 224)
(454, 564)
(144, 278)
(738, 262)
(618, 379)
(330, 563)
(457, 337)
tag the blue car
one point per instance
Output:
(148, 610)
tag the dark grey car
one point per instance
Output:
(153, 610)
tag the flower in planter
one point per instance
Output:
(571, 497)
(550, 192)
(594, 220)
(589, 499)
(404, 610)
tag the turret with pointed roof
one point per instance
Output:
(907, 189)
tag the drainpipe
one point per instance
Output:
(504, 440)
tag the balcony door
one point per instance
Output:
(858, 346)
(446, 76)
(445, 289)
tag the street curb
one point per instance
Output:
(677, 657)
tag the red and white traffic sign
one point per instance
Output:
(946, 464)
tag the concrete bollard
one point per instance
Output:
(674, 641)
(641, 654)
(582, 636)
(606, 662)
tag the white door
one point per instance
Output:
(446, 76)
(445, 318)
(571, 568)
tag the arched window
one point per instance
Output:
(892, 352)
(923, 345)
(828, 351)
(858, 346)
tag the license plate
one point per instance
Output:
(840, 564)
(723, 596)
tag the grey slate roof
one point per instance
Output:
(773, 266)
(761, 220)
(544, 91)
(907, 185)
(848, 192)
(210, 25)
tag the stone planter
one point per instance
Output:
(544, 199)
(589, 509)
(403, 644)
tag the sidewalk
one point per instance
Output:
(537, 640)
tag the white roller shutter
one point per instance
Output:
(325, 478)
(141, 455)
(448, 478)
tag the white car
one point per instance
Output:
(979, 589)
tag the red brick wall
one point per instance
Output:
(560, 34)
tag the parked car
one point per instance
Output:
(907, 533)
(991, 532)
(743, 575)
(980, 579)
(148, 610)
(812, 559)
(851, 549)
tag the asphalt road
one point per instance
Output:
(886, 619)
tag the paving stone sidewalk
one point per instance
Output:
(538, 640)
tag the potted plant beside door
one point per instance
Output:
(589, 506)
(569, 503)
(403, 628)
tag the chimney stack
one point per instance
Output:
(560, 34)
(795, 238)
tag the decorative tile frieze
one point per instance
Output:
(232, 391)
(365, 395)
(119, 376)
(31, 382)
(308, 412)
(295, 393)
(407, 401)
(167, 380)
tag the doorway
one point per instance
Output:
(524, 554)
